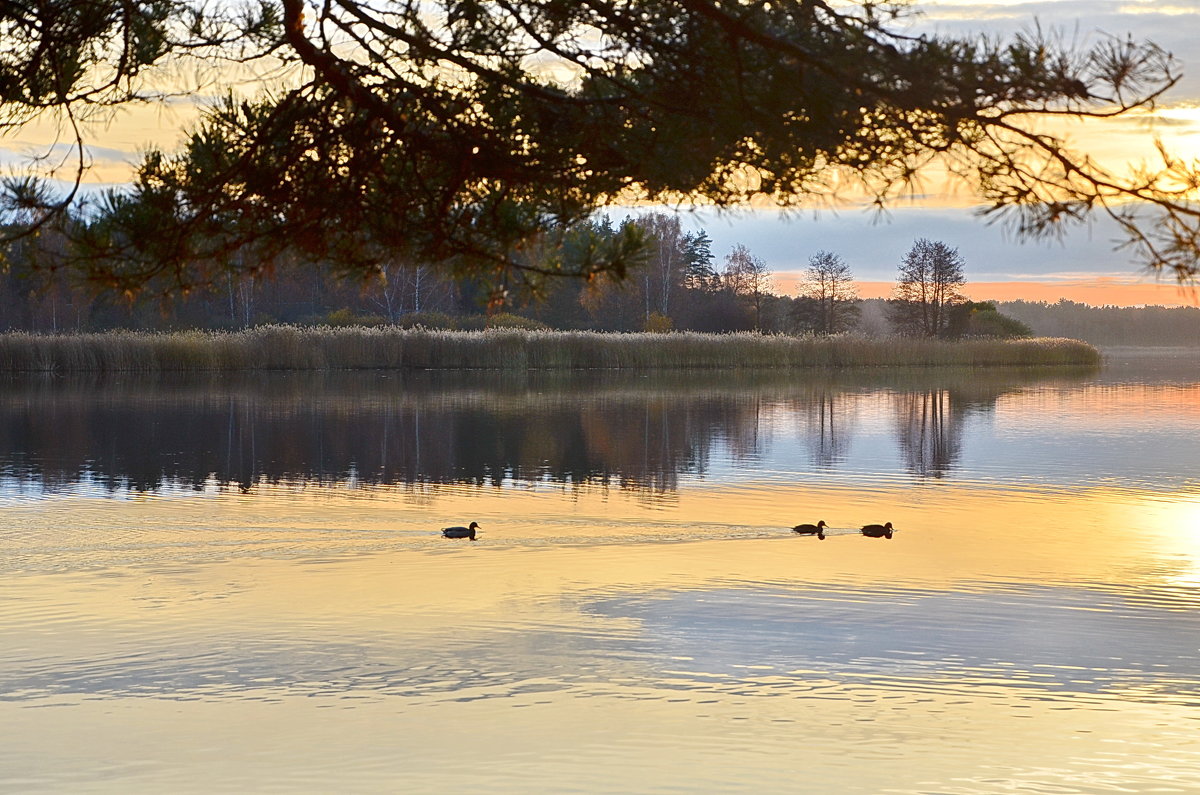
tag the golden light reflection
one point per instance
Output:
(560, 540)
(1173, 520)
(389, 631)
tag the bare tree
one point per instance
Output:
(400, 289)
(930, 283)
(829, 299)
(747, 277)
(387, 291)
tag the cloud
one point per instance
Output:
(24, 151)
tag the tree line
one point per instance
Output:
(678, 283)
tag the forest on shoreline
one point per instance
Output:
(34, 302)
(681, 285)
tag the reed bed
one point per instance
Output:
(357, 348)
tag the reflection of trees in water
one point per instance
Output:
(743, 429)
(930, 423)
(371, 431)
(634, 433)
(829, 417)
(929, 431)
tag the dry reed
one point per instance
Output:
(358, 348)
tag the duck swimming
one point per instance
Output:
(878, 530)
(461, 532)
(817, 529)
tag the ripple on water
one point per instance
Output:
(654, 629)
(1048, 643)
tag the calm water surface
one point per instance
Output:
(239, 585)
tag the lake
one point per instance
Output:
(238, 583)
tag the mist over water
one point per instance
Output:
(239, 583)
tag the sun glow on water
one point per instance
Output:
(1174, 521)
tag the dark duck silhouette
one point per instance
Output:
(878, 530)
(817, 529)
(461, 532)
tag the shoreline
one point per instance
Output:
(280, 347)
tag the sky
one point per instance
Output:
(1083, 266)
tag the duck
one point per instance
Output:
(817, 529)
(461, 532)
(878, 530)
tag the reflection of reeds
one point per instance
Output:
(354, 348)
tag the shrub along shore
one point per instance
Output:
(357, 348)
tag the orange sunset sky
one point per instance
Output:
(1098, 292)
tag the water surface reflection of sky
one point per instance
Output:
(236, 586)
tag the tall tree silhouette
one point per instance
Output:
(929, 284)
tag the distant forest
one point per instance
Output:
(1152, 326)
(1109, 325)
